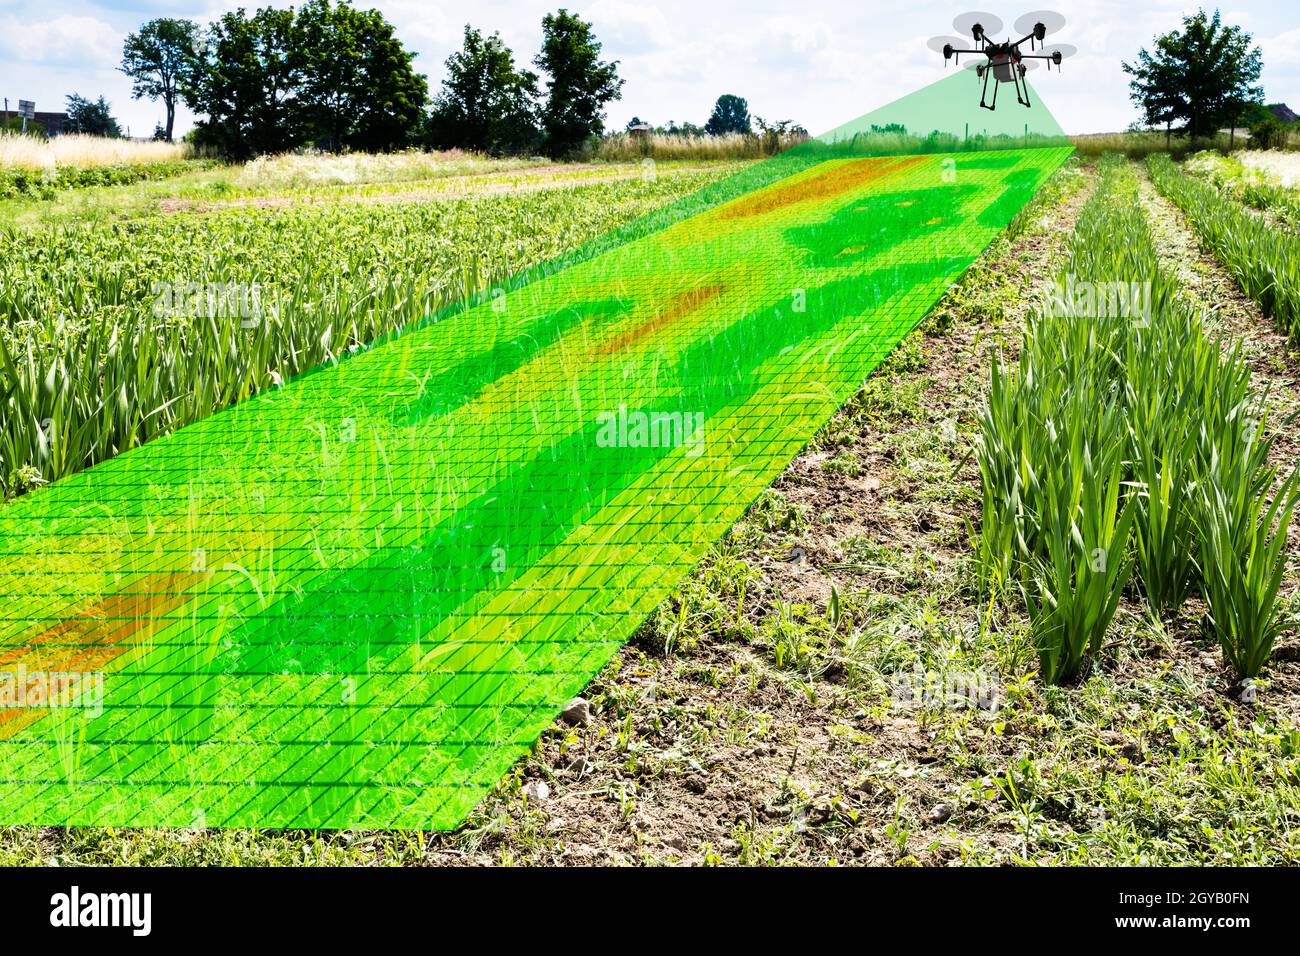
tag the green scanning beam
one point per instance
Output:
(357, 599)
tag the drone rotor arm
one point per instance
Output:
(1053, 59)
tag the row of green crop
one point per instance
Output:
(1126, 450)
(1264, 259)
(1246, 185)
(19, 183)
(102, 348)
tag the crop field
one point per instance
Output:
(1029, 595)
(539, 550)
(94, 366)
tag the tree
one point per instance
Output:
(579, 87)
(158, 59)
(329, 74)
(94, 118)
(486, 103)
(775, 135)
(730, 115)
(359, 88)
(1201, 77)
(247, 82)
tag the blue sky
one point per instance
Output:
(821, 63)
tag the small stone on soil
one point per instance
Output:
(536, 791)
(576, 712)
(941, 812)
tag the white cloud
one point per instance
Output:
(630, 28)
(422, 27)
(1283, 49)
(790, 42)
(66, 40)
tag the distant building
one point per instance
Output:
(1283, 112)
(640, 130)
(53, 122)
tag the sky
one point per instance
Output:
(820, 64)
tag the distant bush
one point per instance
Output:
(1268, 133)
(14, 124)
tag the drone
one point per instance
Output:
(1004, 62)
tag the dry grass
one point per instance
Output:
(623, 147)
(31, 152)
(293, 171)
(1139, 145)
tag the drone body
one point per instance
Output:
(1004, 62)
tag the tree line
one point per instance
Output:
(330, 76)
(730, 116)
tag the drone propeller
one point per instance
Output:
(1060, 51)
(1066, 50)
(1049, 20)
(949, 45)
(978, 25)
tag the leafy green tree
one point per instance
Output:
(329, 74)
(248, 82)
(1200, 78)
(158, 58)
(486, 103)
(580, 84)
(92, 117)
(359, 88)
(730, 115)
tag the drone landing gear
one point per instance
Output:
(1022, 88)
(1017, 79)
(984, 91)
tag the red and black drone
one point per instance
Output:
(1004, 62)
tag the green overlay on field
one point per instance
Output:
(355, 600)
